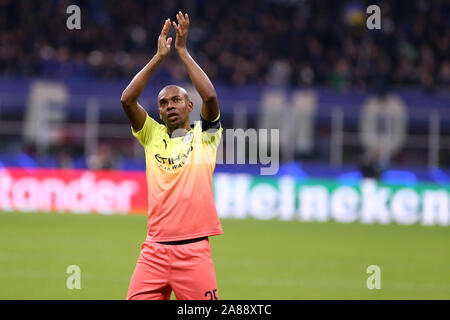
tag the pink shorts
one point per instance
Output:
(186, 269)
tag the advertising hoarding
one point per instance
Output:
(236, 196)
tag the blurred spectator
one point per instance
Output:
(296, 42)
(103, 159)
(65, 160)
(372, 165)
(340, 77)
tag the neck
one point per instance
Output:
(186, 126)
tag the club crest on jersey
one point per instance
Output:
(188, 137)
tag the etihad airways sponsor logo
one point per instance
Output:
(173, 163)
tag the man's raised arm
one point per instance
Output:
(134, 111)
(210, 107)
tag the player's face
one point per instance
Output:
(174, 106)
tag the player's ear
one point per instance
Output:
(190, 106)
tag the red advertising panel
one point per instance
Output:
(76, 191)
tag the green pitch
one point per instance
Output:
(254, 259)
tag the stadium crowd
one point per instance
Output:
(278, 42)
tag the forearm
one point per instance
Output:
(210, 107)
(199, 78)
(139, 82)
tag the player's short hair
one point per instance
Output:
(181, 89)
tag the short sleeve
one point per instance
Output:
(144, 135)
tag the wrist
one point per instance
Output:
(158, 56)
(182, 51)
